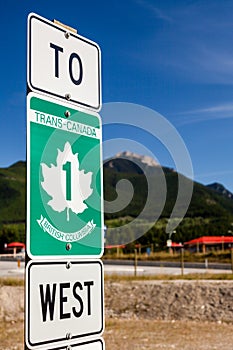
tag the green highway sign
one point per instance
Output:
(64, 180)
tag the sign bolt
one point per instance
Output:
(67, 35)
(69, 347)
(68, 265)
(67, 114)
(68, 335)
(68, 246)
(68, 96)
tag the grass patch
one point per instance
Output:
(211, 256)
(166, 277)
(10, 281)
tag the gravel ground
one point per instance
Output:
(178, 335)
(144, 334)
(182, 316)
(202, 301)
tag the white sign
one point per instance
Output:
(63, 64)
(64, 302)
(89, 345)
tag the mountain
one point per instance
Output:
(12, 193)
(126, 178)
(207, 201)
(132, 163)
(220, 189)
(210, 211)
(213, 203)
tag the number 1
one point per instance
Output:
(67, 168)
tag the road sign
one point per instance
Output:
(64, 180)
(89, 345)
(64, 302)
(63, 64)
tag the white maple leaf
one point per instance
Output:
(58, 177)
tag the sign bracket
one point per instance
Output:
(73, 30)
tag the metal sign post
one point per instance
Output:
(88, 345)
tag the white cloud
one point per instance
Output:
(216, 112)
(196, 43)
(214, 109)
(157, 12)
(214, 174)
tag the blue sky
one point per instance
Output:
(175, 57)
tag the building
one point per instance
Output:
(206, 243)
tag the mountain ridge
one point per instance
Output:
(220, 189)
(210, 200)
(210, 211)
(149, 161)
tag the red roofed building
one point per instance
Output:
(204, 243)
(114, 246)
(173, 246)
(176, 245)
(15, 247)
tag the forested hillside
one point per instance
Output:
(210, 211)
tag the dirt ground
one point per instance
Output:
(178, 335)
(144, 334)
(129, 326)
